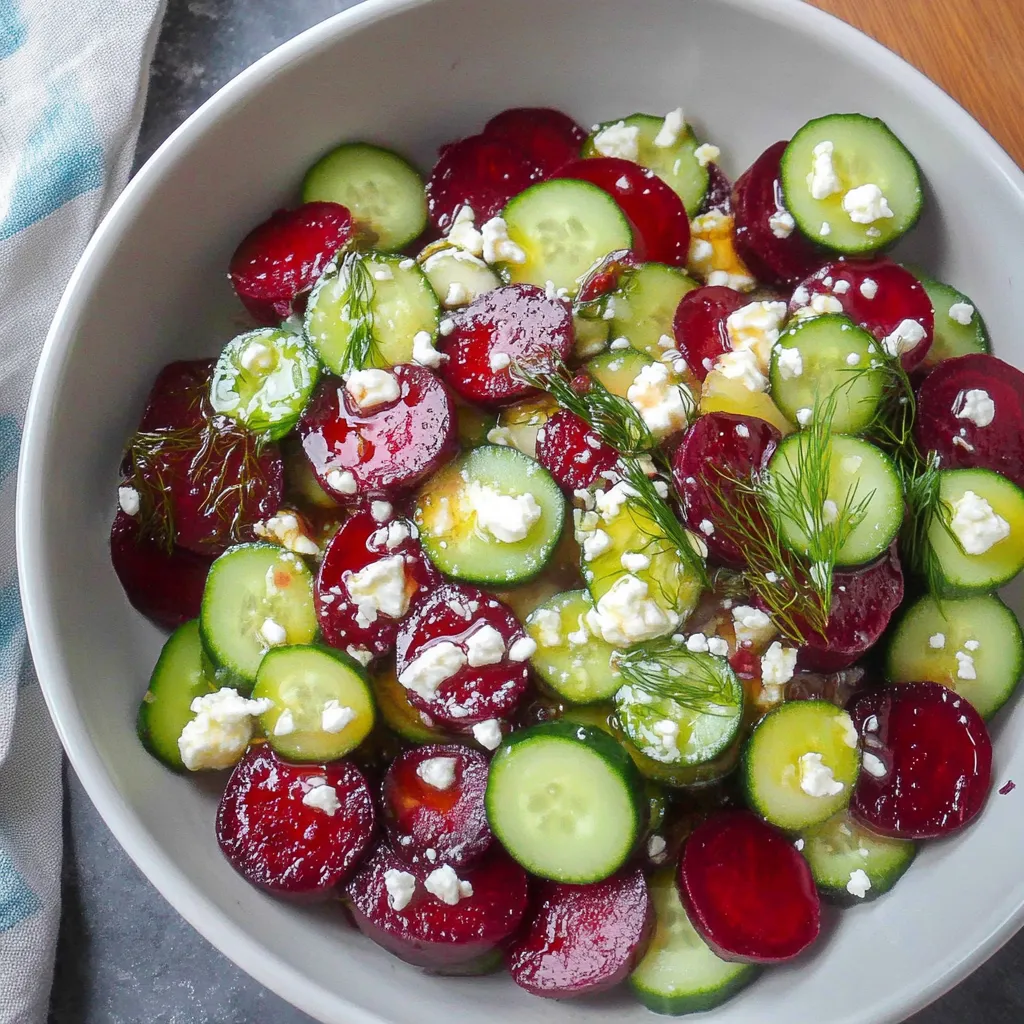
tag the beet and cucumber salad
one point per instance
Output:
(585, 564)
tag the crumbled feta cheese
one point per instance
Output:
(819, 304)
(522, 649)
(609, 503)
(751, 624)
(635, 561)
(488, 734)
(756, 326)
(335, 717)
(423, 351)
(619, 140)
(323, 797)
(443, 883)
(718, 646)
(360, 654)
(381, 511)
(670, 130)
(975, 405)
(627, 615)
(965, 666)
(458, 295)
(383, 273)
(444, 328)
(804, 416)
(430, 669)
(937, 641)
(618, 344)
(706, 527)
(498, 247)
(286, 530)
(370, 388)
(221, 729)
(865, 204)
(342, 481)
(873, 764)
(845, 722)
(706, 153)
(816, 778)
(822, 179)
(972, 645)
(128, 499)
(697, 643)
(379, 588)
(498, 361)
(841, 287)
(826, 229)
(437, 772)
(976, 524)
(869, 287)
(400, 886)
(907, 335)
(743, 366)
(961, 313)
(656, 847)
(485, 647)
(859, 883)
(663, 405)
(547, 624)
(701, 250)
(798, 845)
(778, 664)
(505, 517)
(790, 363)
(463, 233)
(782, 224)
(273, 633)
(285, 724)
(853, 359)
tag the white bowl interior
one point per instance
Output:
(153, 289)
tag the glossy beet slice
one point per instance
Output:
(363, 540)
(748, 891)
(719, 194)
(280, 843)
(428, 932)
(165, 586)
(385, 450)
(756, 199)
(548, 137)
(572, 452)
(178, 398)
(935, 756)
(452, 613)
(583, 938)
(449, 822)
(961, 443)
(284, 256)
(481, 172)
(654, 209)
(877, 294)
(518, 321)
(719, 449)
(604, 278)
(699, 325)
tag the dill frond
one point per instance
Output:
(357, 302)
(666, 669)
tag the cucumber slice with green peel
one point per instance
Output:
(974, 646)
(676, 164)
(397, 713)
(644, 306)
(383, 192)
(563, 227)
(301, 483)
(963, 573)
(257, 596)
(178, 678)
(860, 478)
(618, 369)
(263, 379)
(572, 661)
(828, 363)
(592, 335)
(492, 516)
(457, 276)
(801, 763)
(518, 425)
(323, 708)
(952, 336)
(565, 801)
(366, 310)
(841, 847)
(679, 973)
(864, 152)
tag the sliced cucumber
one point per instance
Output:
(860, 477)
(301, 485)
(644, 306)
(618, 369)
(565, 801)
(569, 658)
(398, 714)
(493, 516)
(518, 425)
(801, 763)
(257, 596)
(178, 678)
(963, 573)
(563, 227)
(382, 191)
(679, 973)
(841, 847)
(322, 709)
(457, 276)
(952, 337)
(974, 646)
(828, 363)
(592, 335)
(380, 301)
(864, 152)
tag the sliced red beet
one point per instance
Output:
(429, 933)
(387, 449)
(363, 540)
(719, 448)
(178, 398)
(604, 278)
(719, 193)
(481, 172)
(548, 137)
(877, 294)
(583, 938)
(699, 325)
(518, 321)
(960, 442)
(429, 819)
(748, 891)
(165, 586)
(654, 210)
(283, 257)
(936, 755)
(756, 199)
(572, 452)
(278, 842)
(453, 613)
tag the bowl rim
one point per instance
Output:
(174, 885)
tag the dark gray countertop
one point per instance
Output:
(125, 957)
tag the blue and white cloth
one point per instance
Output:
(73, 77)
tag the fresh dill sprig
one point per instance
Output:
(357, 302)
(667, 670)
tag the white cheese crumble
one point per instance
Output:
(975, 405)
(463, 233)
(907, 335)
(370, 388)
(742, 430)
(505, 517)
(853, 359)
(609, 503)
(718, 646)
(619, 344)
(498, 247)
(742, 365)
(976, 524)
(778, 664)
(671, 128)
(972, 645)
(961, 313)
(627, 615)
(485, 647)
(383, 273)
(782, 224)
(522, 649)
(706, 153)
(335, 717)
(873, 764)
(379, 588)
(221, 730)
(756, 326)
(656, 847)
(430, 669)
(286, 530)
(443, 883)
(635, 561)
(423, 351)
(697, 643)
(804, 416)
(342, 481)
(937, 641)
(498, 361)
(128, 499)
(488, 734)
(596, 544)
(865, 204)
(663, 405)
(869, 287)
(381, 511)
(437, 772)
(751, 624)
(841, 287)
(285, 724)
(323, 797)
(790, 363)
(826, 229)
(822, 179)
(816, 778)
(360, 654)
(548, 625)
(965, 666)
(706, 527)
(619, 140)
(458, 295)
(850, 737)
(400, 886)
(273, 633)
(859, 883)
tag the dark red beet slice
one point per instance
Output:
(655, 211)
(699, 325)
(284, 256)
(937, 758)
(961, 443)
(719, 193)
(484, 173)
(166, 587)
(450, 821)
(896, 296)
(279, 843)
(387, 449)
(757, 198)
(605, 277)
(454, 612)
(747, 889)
(178, 398)
(516, 320)
(361, 541)
(548, 137)
(720, 447)
(428, 932)
(572, 452)
(583, 938)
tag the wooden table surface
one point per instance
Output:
(974, 49)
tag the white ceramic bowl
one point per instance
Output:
(151, 288)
